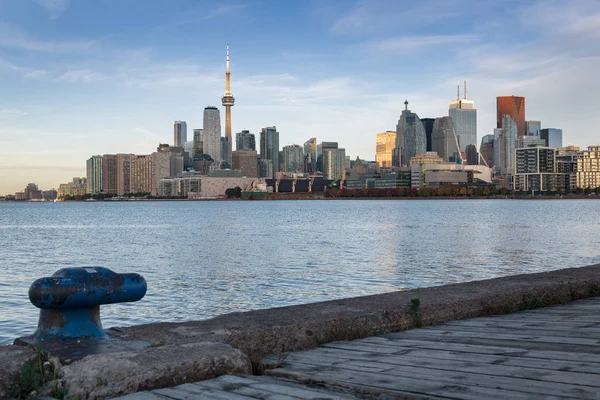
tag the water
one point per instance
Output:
(202, 259)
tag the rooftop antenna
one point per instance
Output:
(465, 93)
(406, 105)
(457, 90)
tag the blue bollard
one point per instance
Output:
(70, 300)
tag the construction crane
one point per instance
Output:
(311, 182)
(277, 182)
(294, 183)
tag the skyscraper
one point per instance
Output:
(464, 115)
(334, 163)
(269, 147)
(310, 155)
(94, 174)
(384, 146)
(245, 140)
(228, 102)
(532, 128)
(428, 125)
(514, 107)
(410, 137)
(197, 149)
(552, 136)
(505, 139)
(245, 161)
(487, 150)
(179, 133)
(443, 140)
(109, 173)
(211, 133)
(225, 147)
(293, 158)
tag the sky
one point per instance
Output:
(86, 77)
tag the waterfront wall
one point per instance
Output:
(237, 342)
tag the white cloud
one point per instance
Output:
(55, 8)
(12, 37)
(411, 43)
(11, 112)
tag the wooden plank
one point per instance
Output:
(555, 325)
(335, 355)
(527, 331)
(201, 392)
(141, 396)
(457, 386)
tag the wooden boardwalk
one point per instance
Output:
(548, 353)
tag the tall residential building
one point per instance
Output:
(225, 152)
(588, 168)
(94, 174)
(410, 138)
(109, 173)
(269, 147)
(464, 115)
(552, 136)
(533, 128)
(124, 173)
(293, 158)
(211, 133)
(320, 147)
(310, 155)
(535, 170)
(514, 107)
(472, 155)
(245, 140)
(487, 150)
(228, 102)
(265, 168)
(246, 161)
(179, 133)
(505, 139)
(142, 170)
(443, 139)
(198, 133)
(428, 125)
(161, 168)
(566, 163)
(385, 142)
(334, 163)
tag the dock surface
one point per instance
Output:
(551, 352)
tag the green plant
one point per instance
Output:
(415, 311)
(32, 376)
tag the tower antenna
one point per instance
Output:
(465, 93)
(457, 90)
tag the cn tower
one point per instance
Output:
(227, 100)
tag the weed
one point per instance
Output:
(415, 311)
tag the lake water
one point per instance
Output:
(202, 259)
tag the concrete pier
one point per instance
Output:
(239, 343)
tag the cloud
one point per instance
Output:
(54, 7)
(11, 112)
(202, 14)
(410, 43)
(12, 37)
(81, 75)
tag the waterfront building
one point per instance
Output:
(384, 180)
(161, 168)
(530, 141)
(487, 150)
(215, 187)
(566, 163)
(428, 125)
(446, 173)
(77, 187)
(505, 139)
(588, 168)
(227, 101)
(536, 170)
(124, 173)
(293, 158)
(269, 147)
(246, 162)
(211, 133)
(245, 140)
(385, 142)
(533, 128)
(410, 138)
(334, 161)
(94, 174)
(180, 187)
(49, 194)
(31, 192)
(142, 169)
(179, 133)
(464, 116)
(109, 173)
(310, 155)
(552, 137)
(514, 107)
(443, 139)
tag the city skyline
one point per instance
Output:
(79, 82)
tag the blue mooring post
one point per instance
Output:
(70, 300)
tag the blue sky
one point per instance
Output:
(84, 77)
